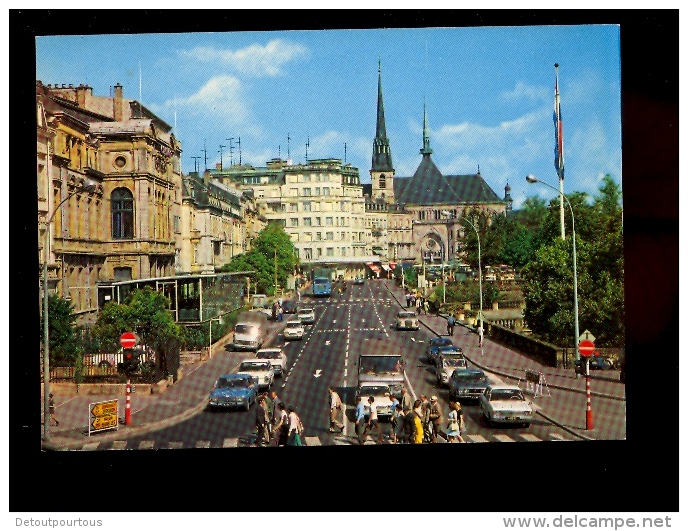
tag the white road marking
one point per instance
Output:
(503, 438)
(313, 441)
(119, 445)
(557, 437)
(230, 442)
(477, 438)
(202, 444)
(175, 444)
(146, 445)
(530, 437)
(90, 446)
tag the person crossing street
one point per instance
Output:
(335, 407)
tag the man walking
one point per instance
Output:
(335, 407)
(262, 435)
(406, 399)
(450, 325)
(360, 420)
(436, 417)
(373, 422)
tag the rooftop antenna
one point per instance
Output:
(308, 143)
(231, 151)
(205, 156)
(344, 152)
(239, 143)
(288, 151)
(221, 146)
(196, 163)
(279, 151)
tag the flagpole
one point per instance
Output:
(559, 148)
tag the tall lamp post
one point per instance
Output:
(480, 269)
(532, 179)
(86, 187)
(210, 334)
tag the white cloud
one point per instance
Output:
(529, 92)
(255, 60)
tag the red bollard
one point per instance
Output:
(588, 411)
(127, 410)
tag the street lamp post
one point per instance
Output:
(86, 187)
(210, 335)
(532, 179)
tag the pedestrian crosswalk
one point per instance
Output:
(337, 440)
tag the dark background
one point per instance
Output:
(638, 474)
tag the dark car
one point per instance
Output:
(290, 306)
(435, 344)
(359, 280)
(467, 384)
(600, 363)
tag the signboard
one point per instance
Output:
(421, 281)
(586, 348)
(587, 335)
(128, 340)
(103, 416)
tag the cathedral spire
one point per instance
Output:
(426, 150)
(382, 154)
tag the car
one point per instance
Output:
(435, 344)
(601, 363)
(359, 280)
(505, 404)
(293, 330)
(276, 357)
(406, 321)
(233, 390)
(446, 365)
(306, 315)
(381, 394)
(290, 306)
(467, 384)
(261, 370)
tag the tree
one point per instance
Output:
(272, 245)
(64, 345)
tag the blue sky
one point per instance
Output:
(489, 93)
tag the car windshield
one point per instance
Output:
(454, 362)
(254, 366)
(293, 324)
(306, 311)
(226, 383)
(441, 342)
(269, 354)
(374, 390)
(380, 364)
(506, 394)
(405, 315)
(242, 328)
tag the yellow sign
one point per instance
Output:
(104, 408)
(107, 421)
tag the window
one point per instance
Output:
(293, 222)
(308, 236)
(306, 206)
(176, 222)
(382, 182)
(307, 222)
(293, 207)
(319, 252)
(317, 190)
(329, 235)
(318, 236)
(122, 202)
(307, 191)
(326, 190)
(328, 221)
(330, 251)
(309, 253)
(306, 178)
(318, 222)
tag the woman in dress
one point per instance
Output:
(455, 421)
(418, 421)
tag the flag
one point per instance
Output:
(558, 130)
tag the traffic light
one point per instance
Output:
(580, 366)
(130, 363)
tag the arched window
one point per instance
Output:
(122, 204)
(382, 181)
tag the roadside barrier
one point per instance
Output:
(535, 383)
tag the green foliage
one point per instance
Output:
(273, 251)
(65, 347)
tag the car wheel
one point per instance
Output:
(248, 405)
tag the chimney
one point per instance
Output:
(83, 95)
(218, 167)
(118, 103)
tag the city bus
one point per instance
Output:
(322, 286)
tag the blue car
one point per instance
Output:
(435, 344)
(233, 390)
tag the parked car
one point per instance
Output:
(293, 330)
(359, 280)
(601, 363)
(233, 390)
(435, 344)
(446, 365)
(276, 357)
(261, 370)
(382, 399)
(250, 331)
(406, 321)
(505, 404)
(467, 384)
(290, 306)
(306, 315)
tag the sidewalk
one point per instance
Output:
(149, 412)
(563, 400)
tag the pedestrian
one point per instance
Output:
(417, 422)
(436, 417)
(450, 325)
(275, 410)
(51, 409)
(373, 422)
(406, 400)
(427, 425)
(396, 422)
(454, 422)
(335, 408)
(419, 305)
(269, 413)
(480, 335)
(280, 313)
(408, 299)
(426, 306)
(274, 311)
(262, 435)
(409, 425)
(295, 429)
(360, 420)
(281, 427)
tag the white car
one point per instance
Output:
(293, 330)
(406, 321)
(306, 315)
(260, 370)
(446, 364)
(382, 398)
(505, 404)
(276, 357)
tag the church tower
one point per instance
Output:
(382, 171)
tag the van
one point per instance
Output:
(250, 331)
(382, 369)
